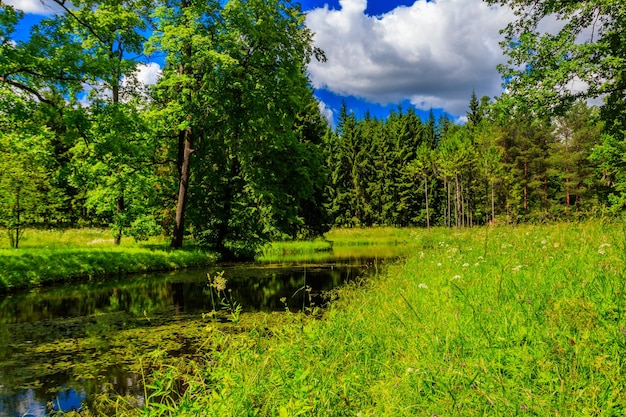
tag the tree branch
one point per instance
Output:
(27, 89)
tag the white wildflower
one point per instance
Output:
(465, 265)
(517, 268)
(423, 286)
(601, 249)
(456, 277)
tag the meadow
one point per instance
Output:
(494, 321)
(502, 321)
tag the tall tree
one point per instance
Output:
(581, 55)
(233, 89)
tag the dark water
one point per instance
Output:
(56, 348)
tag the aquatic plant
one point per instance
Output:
(218, 291)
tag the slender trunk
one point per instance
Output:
(567, 195)
(449, 208)
(17, 225)
(119, 209)
(457, 203)
(426, 195)
(545, 190)
(185, 150)
(493, 204)
(525, 187)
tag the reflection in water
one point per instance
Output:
(56, 343)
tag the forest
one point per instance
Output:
(230, 150)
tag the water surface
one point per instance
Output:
(61, 347)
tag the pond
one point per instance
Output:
(64, 347)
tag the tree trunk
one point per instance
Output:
(426, 195)
(17, 224)
(493, 204)
(457, 203)
(184, 151)
(525, 188)
(119, 209)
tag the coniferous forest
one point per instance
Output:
(229, 147)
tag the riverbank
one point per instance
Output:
(493, 321)
(49, 256)
(64, 256)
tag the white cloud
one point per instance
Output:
(327, 112)
(431, 53)
(39, 7)
(148, 74)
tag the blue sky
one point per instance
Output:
(384, 53)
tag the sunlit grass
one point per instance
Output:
(63, 238)
(498, 321)
(46, 256)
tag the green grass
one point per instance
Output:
(492, 322)
(54, 256)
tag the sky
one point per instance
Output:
(425, 54)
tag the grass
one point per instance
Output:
(54, 256)
(494, 321)
(382, 242)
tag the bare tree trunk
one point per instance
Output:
(457, 202)
(17, 213)
(185, 151)
(426, 195)
(449, 208)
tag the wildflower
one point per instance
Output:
(421, 255)
(601, 250)
(465, 265)
(219, 282)
(624, 330)
(456, 277)
(517, 268)
(523, 407)
(283, 300)
(422, 285)
(439, 264)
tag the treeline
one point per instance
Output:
(497, 167)
(229, 149)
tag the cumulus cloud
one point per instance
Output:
(431, 53)
(39, 7)
(327, 112)
(148, 74)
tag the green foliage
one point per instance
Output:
(248, 163)
(27, 194)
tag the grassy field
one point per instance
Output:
(58, 255)
(492, 322)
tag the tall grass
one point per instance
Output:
(494, 321)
